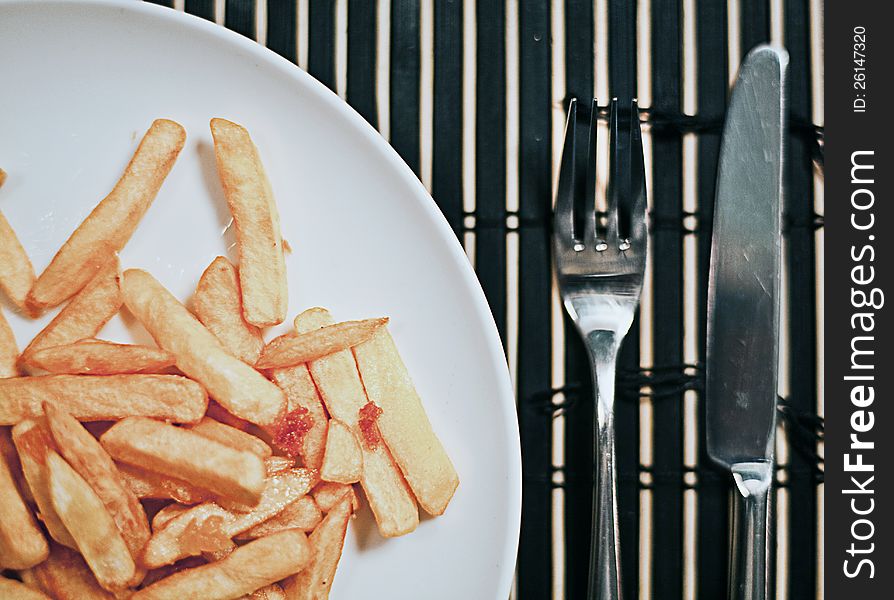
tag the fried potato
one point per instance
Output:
(149, 485)
(91, 526)
(16, 272)
(103, 398)
(90, 460)
(108, 228)
(34, 442)
(304, 514)
(262, 265)
(9, 453)
(275, 464)
(188, 456)
(9, 350)
(289, 350)
(166, 513)
(209, 526)
(87, 312)
(232, 437)
(10, 589)
(219, 413)
(301, 394)
(338, 381)
(252, 566)
(236, 386)
(327, 494)
(404, 425)
(65, 576)
(327, 541)
(22, 544)
(269, 592)
(98, 357)
(218, 305)
(343, 461)
(2, 177)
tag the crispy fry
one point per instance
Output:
(269, 592)
(303, 514)
(103, 398)
(404, 425)
(327, 494)
(275, 464)
(22, 544)
(91, 526)
(9, 453)
(108, 228)
(219, 413)
(186, 455)
(65, 576)
(255, 565)
(204, 527)
(34, 443)
(339, 384)
(218, 305)
(301, 393)
(16, 272)
(262, 266)
(87, 312)
(98, 357)
(90, 460)
(11, 589)
(289, 350)
(236, 386)
(2, 177)
(343, 461)
(163, 516)
(327, 541)
(147, 484)
(9, 350)
(232, 437)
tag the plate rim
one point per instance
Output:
(494, 349)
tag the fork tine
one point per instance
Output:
(589, 196)
(564, 209)
(615, 187)
(637, 224)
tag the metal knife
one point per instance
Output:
(743, 308)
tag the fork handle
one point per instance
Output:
(604, 548)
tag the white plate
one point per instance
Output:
(80, 83)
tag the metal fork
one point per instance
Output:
(599, 266)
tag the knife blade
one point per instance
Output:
(743, 306)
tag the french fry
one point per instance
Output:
(98, 357)
(255, 565)
(269, 592)
(11, 589)
(65, 576)
(16, 272)
(304, 514)
(9, 350)
(404, 425)
(149, 485)
(188, 456)
(327, 494)
(91, 526)
(301, 395)
(103, 398)
(236, 386)
(34, 443)
(22, 544)
(2, 177)
(343, 461)
(163, 516)
(232, 437)
(108, 228)
(218, 305)
(88, 458)
(289, 350)
(327, 541)
(9, 453)
(86, 314)
(209, 526)
(339, 384)
(262, 266)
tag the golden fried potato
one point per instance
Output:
(9, 350)
(343, 461)
(16, 272)
(22, 544)
(147, 484)
(303, 514)
(232, 437)
(65, 576)
(288, 350)
(10, 589)
(303, 401)
(98, 357)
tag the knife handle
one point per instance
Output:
(749, 555)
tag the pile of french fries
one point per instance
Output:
(215, 465)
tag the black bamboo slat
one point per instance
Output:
(490, 157)
(667, 324)
(321, 41)
(534, 334)
(200, 8)
(240, 17)
(447, 150)
(281, 34)
(755, 23)
(712, 522)
(168, 3)
(404, 80)
(361, 90)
